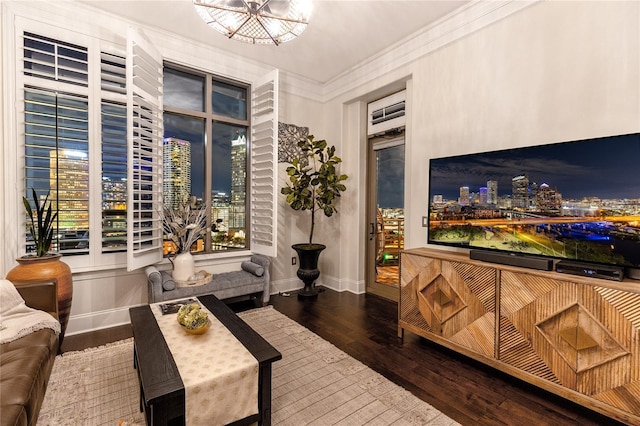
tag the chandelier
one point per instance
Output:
(256, 21)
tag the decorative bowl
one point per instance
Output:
(193, 319)
(197, 331)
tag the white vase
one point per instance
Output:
(183, 266)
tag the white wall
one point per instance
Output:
(553, 71)
(557, 71)
(293, 227)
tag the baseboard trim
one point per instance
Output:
(79, 324)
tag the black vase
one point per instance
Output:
(308, 271)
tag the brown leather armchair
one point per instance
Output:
(26, 363)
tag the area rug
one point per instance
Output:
(314, 384)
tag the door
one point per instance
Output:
(385, 215)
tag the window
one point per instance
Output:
(202, 174)
(56, 141)
(93, 136)
(60, 137)
(56, 162)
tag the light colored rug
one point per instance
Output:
(315, 383)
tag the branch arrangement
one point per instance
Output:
(184, 226)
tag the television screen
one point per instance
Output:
(575, 200)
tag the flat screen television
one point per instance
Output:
(577, 200)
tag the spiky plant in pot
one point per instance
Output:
(41, 226)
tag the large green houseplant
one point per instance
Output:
(314, 185)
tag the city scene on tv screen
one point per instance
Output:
(574, 200)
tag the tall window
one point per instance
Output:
(56, 128)
(205, 153)
(60, 136)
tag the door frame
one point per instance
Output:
(376, 143)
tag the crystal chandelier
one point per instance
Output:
(256, 21)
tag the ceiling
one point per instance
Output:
(341, 33)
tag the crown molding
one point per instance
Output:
(476, 15)
(455, 26)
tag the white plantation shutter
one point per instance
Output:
(113, 77)
(144, 177)
(264, 164)
(113, 138)
(55, 60)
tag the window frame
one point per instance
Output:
(209, 118)
(20, 19)
(95, 259)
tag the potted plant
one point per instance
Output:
(43, 265)
(314, 185)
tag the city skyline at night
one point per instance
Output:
(577, 200)
(605, 168)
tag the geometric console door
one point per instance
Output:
(576, 337)
(454, 301)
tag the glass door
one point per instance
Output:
(385, 215)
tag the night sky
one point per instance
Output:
(185, 90)
(390, 188)
(608, 168)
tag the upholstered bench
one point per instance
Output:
(252, 280)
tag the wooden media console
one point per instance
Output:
(575, 336)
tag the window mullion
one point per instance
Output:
(208, 155)
(95, 195)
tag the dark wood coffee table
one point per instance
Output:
(162, 394)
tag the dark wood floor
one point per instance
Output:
(365, 327)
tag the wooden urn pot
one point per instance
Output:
(33, 269)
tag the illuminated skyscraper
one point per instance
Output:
(520, 192)
(464, 196)
(548, 200)
(238, 182)
(483, 195)
(220, 210)
(69, 176)
(492, 192)
(176, 176)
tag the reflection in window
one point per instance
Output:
(183, 90)
(229, 101)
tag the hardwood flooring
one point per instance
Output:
(365, 327)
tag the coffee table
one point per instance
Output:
(162, 393)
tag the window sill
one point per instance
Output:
(205, 259)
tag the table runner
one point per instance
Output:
(220, 375)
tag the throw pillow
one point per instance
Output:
(253, 268)
(168, 283)
(153, 275)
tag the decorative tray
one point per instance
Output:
(200, 278)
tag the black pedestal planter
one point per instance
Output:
(308, 271)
